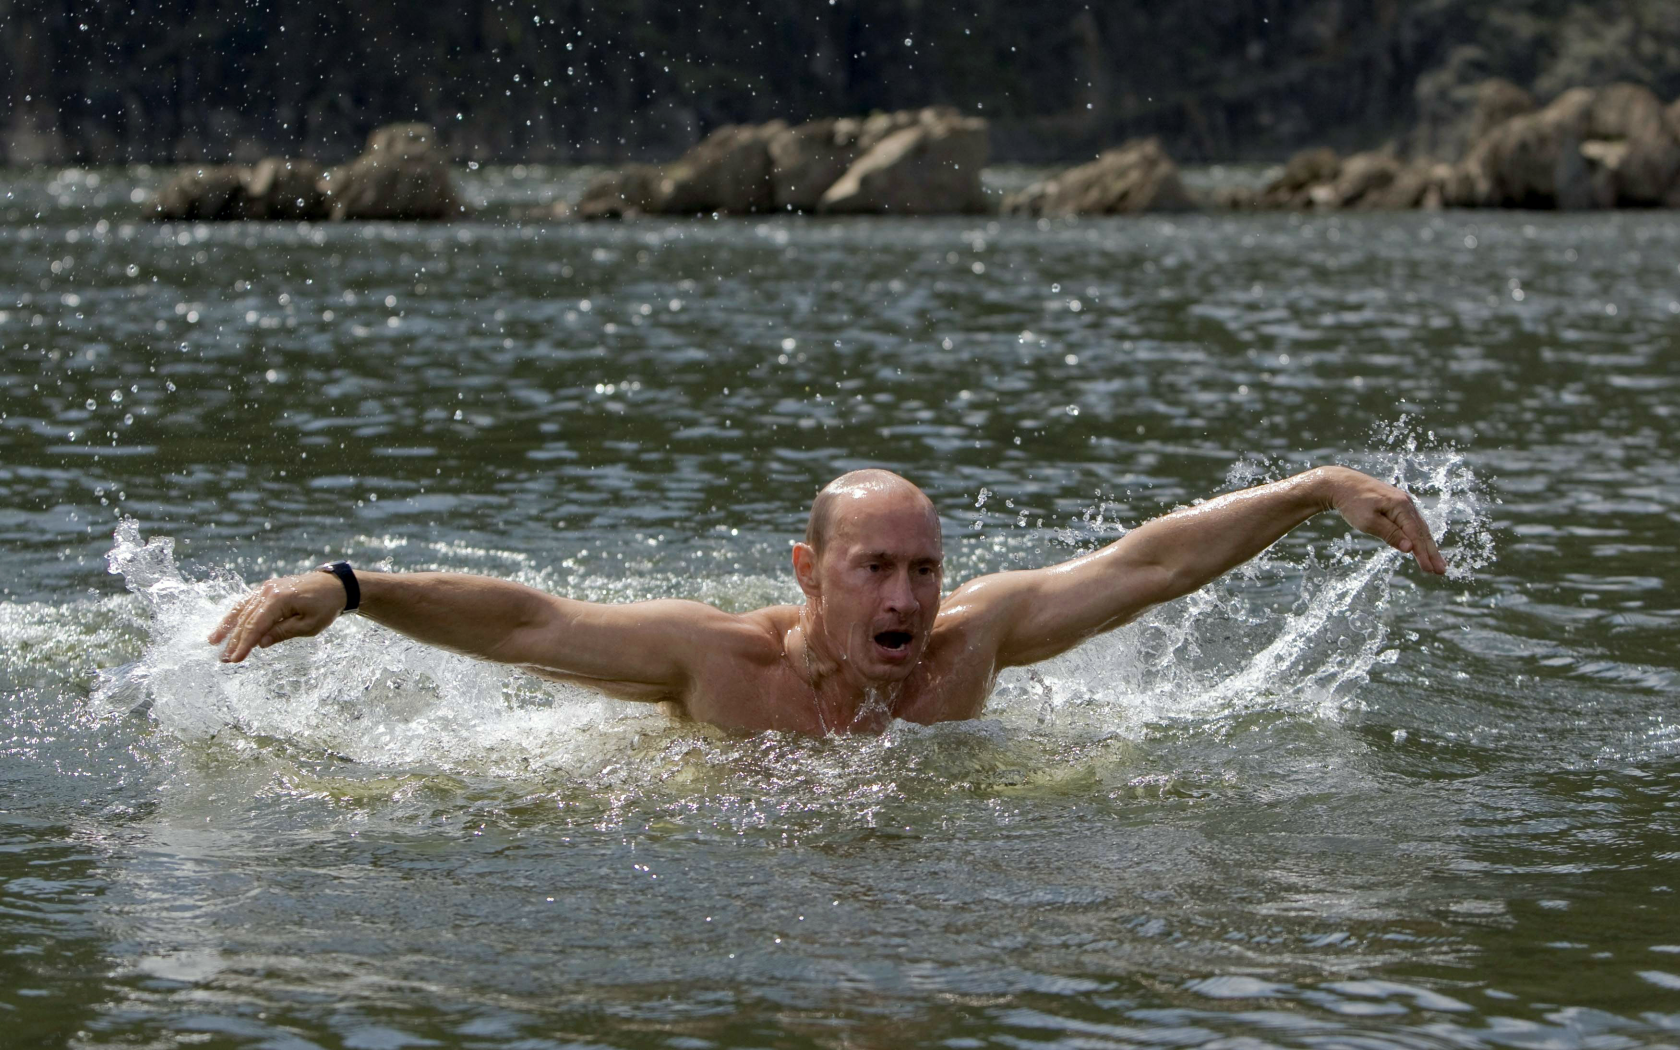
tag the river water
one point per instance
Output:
(1326, 803)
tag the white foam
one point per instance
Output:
(1220, 652)
(358, 690)
(373, 696)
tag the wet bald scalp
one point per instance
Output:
(857, 484)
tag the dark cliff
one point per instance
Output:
(179, 80)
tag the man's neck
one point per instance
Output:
(841, 701)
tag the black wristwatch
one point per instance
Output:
(346, 576)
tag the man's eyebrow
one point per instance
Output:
(915, 559)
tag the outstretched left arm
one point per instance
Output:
(1039, 613)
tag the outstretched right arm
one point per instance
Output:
(651, 645)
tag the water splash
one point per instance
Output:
(358, 691)
(1225, 650)
(1289, 635)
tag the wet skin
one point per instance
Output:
(873, 641)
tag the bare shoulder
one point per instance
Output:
(694, 636)
(756, 635)
(980, 604)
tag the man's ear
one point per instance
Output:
(805, 568)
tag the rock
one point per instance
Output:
(930, 167)
(285, 189)
(276, 188)
(1416, 184)
(1308, 168)
(728, 171)
(399, 176)
(807, 159)
(554, 211)
(1305, 170)
(1497, 100)
(1236, 198)
(1359, 177)
(742, 169)
(1590, 148)
(877, 126)
(1646, 166)
(1459, 103)
(1520, 163)
(627, 191)
(408, 141)
(1135, 177)
(1671, 199)
(211, 193)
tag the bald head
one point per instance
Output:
(853, 490)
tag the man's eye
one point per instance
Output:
(874, 567)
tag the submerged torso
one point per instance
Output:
(750, 683)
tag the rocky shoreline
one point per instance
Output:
(1590, 148)
(399, 176)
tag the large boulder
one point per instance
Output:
(728, 171)
(807, 159)
(286, 189)
(1632, 125)
(620, 193)
(1135, 177)
(1591, 148)
(877, 126)
(1497, 100)
(211, 193)
(275, 188)
(1416, 184)
(401, 175)
(1358, 179)
(927, 168)
(1305, 171)
(1671, 199)
(1459, 103)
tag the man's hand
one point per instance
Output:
(1383, 511)
(286, 607)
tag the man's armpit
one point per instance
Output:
(635, 692)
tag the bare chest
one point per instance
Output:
(775, 697)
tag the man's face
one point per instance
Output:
(878, 582)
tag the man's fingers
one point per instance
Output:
(228, 621)
(229, 630)
(259, 614)
(1393, 531)
(1422, 543)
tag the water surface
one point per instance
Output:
(1326, 803)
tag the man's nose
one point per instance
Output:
(901, 596)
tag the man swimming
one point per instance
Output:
(874, 640)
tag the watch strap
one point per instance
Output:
(346, 576)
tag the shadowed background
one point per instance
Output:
(187, 80)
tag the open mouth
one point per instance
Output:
(894, 640)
